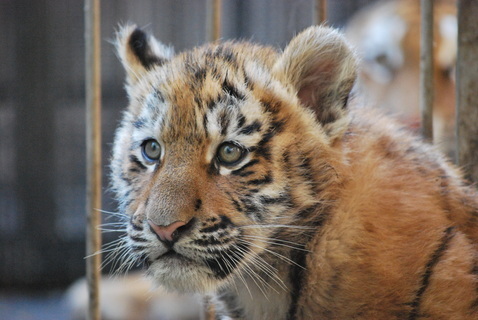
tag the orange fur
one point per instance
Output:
(332, 211)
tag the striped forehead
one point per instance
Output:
(151, 116)
(199, 99)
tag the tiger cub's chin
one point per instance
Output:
(176, 275)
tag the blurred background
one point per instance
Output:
(42, 111)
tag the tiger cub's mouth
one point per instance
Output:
(203, 251)
(171, 254)
(174, 256)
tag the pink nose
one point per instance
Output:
(166, 233)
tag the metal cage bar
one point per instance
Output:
(93, 154)
(213, 23)
(467, 88)
(426, 94)
(320, 11)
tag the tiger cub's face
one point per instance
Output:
(224, 152)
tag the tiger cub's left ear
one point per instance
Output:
(322, 68)
(139, 52)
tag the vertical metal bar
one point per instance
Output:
(93, 152)
(320, 11)
(467, 89)
(216, 30)
(213, 28)
(426, 69)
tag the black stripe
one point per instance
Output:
(211, 241)
(138, 239)
(137, 248)
(296, 273)
(215, 72)
(266, 138)
(277, 125)
(226, 260)
(211, 104)
(126, 179)
(200, 75)
(270, 106)
(231, 305)
(212, 219)
(136, 227)
(226, 53)
(136, 161)
(282, 199)
(223, 53)
(251, 209)
(474, 272)
(198, 204)
(305, 213)
(232, 91)
(306, 167)
(158, 95)
(236, 205)
(139, 123)
(127, 194)
(224, 122)
(247, 165)
(223, 224)
(204, 123)
(266, 180)
(146, 202)
(246, 173)
(425, 281)
(152, 104)
(213, 170)
(241, 120)
(262, 147)
(252, 128)
(144, 258)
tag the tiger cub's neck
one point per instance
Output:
(270, 290)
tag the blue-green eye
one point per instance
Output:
(151, 150)
(229, 153)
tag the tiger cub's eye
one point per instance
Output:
(151, 150)
(229, 153)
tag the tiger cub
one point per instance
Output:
(248, 174)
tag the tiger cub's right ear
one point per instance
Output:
(139, 52)
(321, 67)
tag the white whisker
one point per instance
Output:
(276, 226)
(253, 275)
(267, 269)
(284, 258)
(277, 242)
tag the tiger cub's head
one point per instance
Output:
(226, 152)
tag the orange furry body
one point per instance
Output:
(402, 237)
(247, 174)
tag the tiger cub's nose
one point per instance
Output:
(168, 234)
